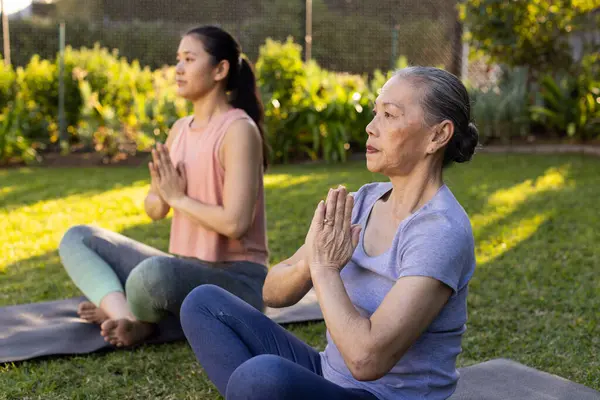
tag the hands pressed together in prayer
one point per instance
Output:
(332, 238)
(168, 182)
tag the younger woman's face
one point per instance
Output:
(195, 70)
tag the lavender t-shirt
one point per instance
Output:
(435, 241)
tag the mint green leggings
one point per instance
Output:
(155, 283)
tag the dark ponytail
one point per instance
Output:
(241, 81)
(244, 95)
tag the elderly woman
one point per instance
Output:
(390, 266)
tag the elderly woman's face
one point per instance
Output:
(397, 134)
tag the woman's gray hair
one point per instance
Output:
(444, 97)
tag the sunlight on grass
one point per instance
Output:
(511, 236)
(506, 201)
(286, 180)
(35, 229)
(6, 190)
(553, 179)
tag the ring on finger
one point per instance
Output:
(327, 222)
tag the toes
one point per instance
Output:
(109, 325)
(123, 332)
(86, 306)
(115, 341)
(110, 337)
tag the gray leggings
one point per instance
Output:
(155, 283)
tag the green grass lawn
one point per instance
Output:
(534, 298)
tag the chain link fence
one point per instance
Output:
(356, 36)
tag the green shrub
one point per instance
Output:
(280, 71)
(571, 102)
(38, 85)
(158, 112)
(121, 86)
(38, 89)
(114, 79)
(335, 110)
(7, 84)
(125, 108)
(310, 112)
(501, 111)
(115, 107)
(281, 79)
(14, 145)
(73, 100)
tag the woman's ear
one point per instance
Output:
(221, 70)
(442, 133)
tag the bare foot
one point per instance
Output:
(89, 312)
(125, 332)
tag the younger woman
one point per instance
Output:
(210, 172)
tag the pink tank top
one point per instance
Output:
(199, 150)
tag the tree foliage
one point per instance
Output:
(532, 33)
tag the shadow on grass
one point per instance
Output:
(39, 278)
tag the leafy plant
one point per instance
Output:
(99, 125)
(7, 84)
(117, 108)
(336, 112)
(531, 33)
(122, 117)
(281, 78)
(163, 107)
(310, 112)
(501, 111)
(14, 145)
(38, 89)
(568, 108)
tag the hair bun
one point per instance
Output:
(466, 145)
